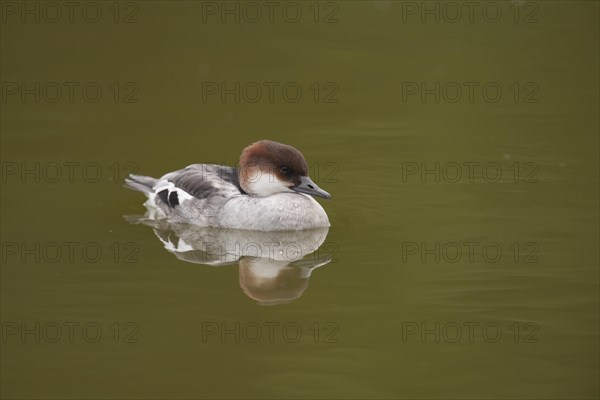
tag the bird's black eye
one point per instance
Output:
(285, 170)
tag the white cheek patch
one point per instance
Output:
(266, 183)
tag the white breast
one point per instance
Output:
(279, 212)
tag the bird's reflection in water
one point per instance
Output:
(274, 267)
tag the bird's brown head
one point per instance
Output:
(268, 167)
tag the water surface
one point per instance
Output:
(414, 300)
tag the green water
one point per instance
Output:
(414, 299)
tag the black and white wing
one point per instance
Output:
(197, 181)
(193, 194)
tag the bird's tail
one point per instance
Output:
(140, 183)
